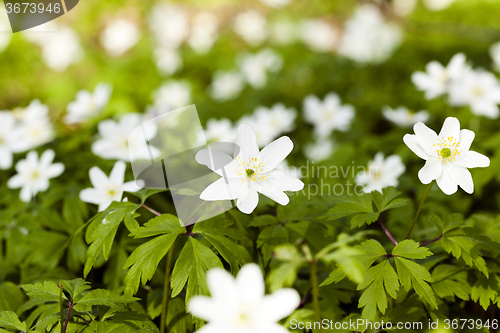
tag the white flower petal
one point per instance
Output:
(131, 187)
(446, 183)
(250, 284)
(222, 285)
(55, 170)
(219, 190)
(466, 138)
(272, 193)
(98, 178)
(248, 203)
(201, 307)
(15, 182)
(430, 171)
(412, 142)
(451, 128)
(425, 137)
(91, 195)
(279, 305)
(246, 142)
(47, 157)
(274, 153)
(472, 159)
(117, 174)
(461, 176)
(26, 193)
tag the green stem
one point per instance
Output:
(61, 306)
(166, 289)
(419, 209)
(315, 292)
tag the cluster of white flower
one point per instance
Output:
(404, 117)
(59, 43)
(87, 104)
(119, 36)
(253, 69)
(169, 96)
(368, 38)
(478, 89)
(381, 173)
(23, 129)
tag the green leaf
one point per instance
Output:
(486, 290)
(163, 224)
(102, 230)
(379, 280)
(75, 287)
(47, 291)
(285, 274)
(11, 296)
(271, 237)
(386, 200)
(264, 221)
(414, 275)
(191, 268)
(360, 207)
(105, 297)
(144, 194)
(335, 276)
(450, 281)
(373, 250)
(10, 321)
(411, 250)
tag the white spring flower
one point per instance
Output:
(437, 80)
(114, 143)
(107, 189)
(447, 155)
(256, 67)
(252, 172)
(404, 117)
(240, 305)
(203, 32)
(328, 115)
(172, 95)
(318, 35)
(368, 38)
(251, 26)
(284, 32)
(10, 136)
(169, 24)
(220, 130)
(479, 90)
(34, 125)
(269, 123)
(226, 85)
(436, 5)
(119, 36)
(381, 173)
(87, 104)
(276, 3)
(168, 60)
(495, 55)
(319, 150)
(33, 174)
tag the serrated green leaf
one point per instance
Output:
(335, 276)
(75, 287)
(450, 281)
(465, 246)
(163, 224)
(264, 221)
(105, 297)
(146, 193)
(271, 237)
(11, 296)
(411, 250)
(414, 275)
(9, 320)
(387, 199)
(378, 280)
(372, 251)
(191, 268)
(47, 291)
(486, 290)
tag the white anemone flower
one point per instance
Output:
(319, 150)
(114, 139)
(169, 24)
(253, 172)
(437, 5)
(119, 36)
(240, 305)
(251, 26)
(168, 60)
(495, 55)
(276, 3)
(203, 32)
(328, 115)
(318, 35)
(438, 79)
(381, 173)
(256, 67)
(34, 125)
(220, 130)
(33, 174)
(107, 189)
(480, 90)
(87, 104)
(404, 117)
(172, 95)
(226, 85)
(447, 155)
(9, 139)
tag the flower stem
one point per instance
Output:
(151, 210)
(315, 291)
(61, 306)
(67, 317)
(431, 241)
(166, 289)
(419, 209)
(393, 240)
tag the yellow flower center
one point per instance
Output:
(447, 149)
(477, 91)
(250, 171)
